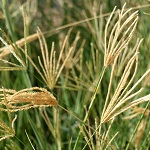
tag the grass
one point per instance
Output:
(74, 75)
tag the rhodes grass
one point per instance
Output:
(74, 75)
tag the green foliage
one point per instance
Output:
(95, 65)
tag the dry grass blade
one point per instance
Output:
(26, 99)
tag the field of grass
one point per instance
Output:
(74, 74)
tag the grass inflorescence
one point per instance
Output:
(74, 75)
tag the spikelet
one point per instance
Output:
(142, 126)
(118, 36)
(26, 99)
(140, 133)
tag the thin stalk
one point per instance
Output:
(92, 101)
(57, 124)
(92, 136)
(6, 12)
(137, 126)
(37, 133)
(95, 92)
(26, 79)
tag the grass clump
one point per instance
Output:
(80, 83)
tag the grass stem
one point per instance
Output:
(92, 101)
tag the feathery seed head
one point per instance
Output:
(26, 99)
(120, 34)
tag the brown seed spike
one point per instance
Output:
(37, 98)
(28, 98)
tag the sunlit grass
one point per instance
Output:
(74, 77)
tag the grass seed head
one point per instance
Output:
(28, 98)
(118, 35)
